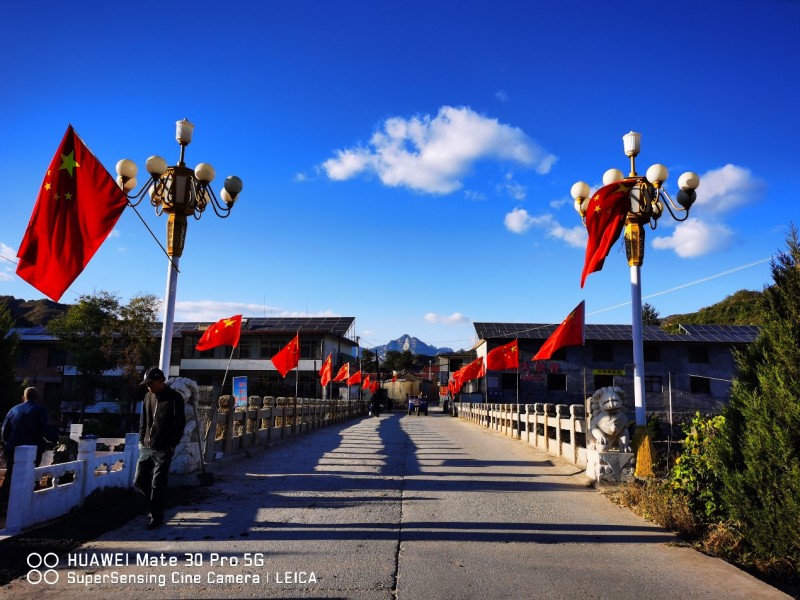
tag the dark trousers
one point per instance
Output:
(151, 478)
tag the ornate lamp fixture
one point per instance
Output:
(180, 192)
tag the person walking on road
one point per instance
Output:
(160, 431)
(25, 425)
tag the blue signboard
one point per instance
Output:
(240, 392)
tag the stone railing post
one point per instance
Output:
(562, 410)
(20, 498)
(86, 451)
(573, 434)
(76, 431)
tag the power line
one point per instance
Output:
(685, 285)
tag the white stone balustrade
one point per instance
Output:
(558, 429)
(30, 502)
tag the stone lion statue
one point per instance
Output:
(187, 457)
(608, 424)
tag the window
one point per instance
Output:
(23, 356)
(508, 381)
(603, 381)
(652, 383)
(189, 342)
(309, 348)
(557, 381)
(700, 385)
(56, 357)
(698, 354)
(652, 353)
(270, 346)
(602, 352)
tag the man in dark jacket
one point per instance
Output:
(160, 430)
(25, 425)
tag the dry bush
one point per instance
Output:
(655, 501)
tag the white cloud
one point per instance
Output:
(574, 236)
(7, 262)
(455, 319)
(474, 195)
(721, 191)
(212, 310)
(114, 233)
(7, 252)
(516, 190)
(501, 95)
(519, 221)
(433, 154)
(725, 189)
(694, 237)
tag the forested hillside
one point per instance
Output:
(744, 307)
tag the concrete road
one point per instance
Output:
(395, 507)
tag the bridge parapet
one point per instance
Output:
(558, 429)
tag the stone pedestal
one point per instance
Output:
(610, 466)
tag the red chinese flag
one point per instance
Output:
(77, 207)
(473, 370)
(344, 373)
(288, 357)
(374, 387)
(326, 372)
(224, 332)
(354, 378)
(503, 357)
(605, 216)
(366, 383)
(569, 333)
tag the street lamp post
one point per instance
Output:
(648, 198)
(180, 192)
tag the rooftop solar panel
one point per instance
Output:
(723, 334)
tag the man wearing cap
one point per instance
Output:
(160, 430)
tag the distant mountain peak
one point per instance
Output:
(409, 343)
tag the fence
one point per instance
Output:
(267, 420)
(46, 492)
(558, 429)
(42, 493)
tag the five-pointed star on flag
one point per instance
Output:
(68, 162)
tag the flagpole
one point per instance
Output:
(225, 377)
(517, 370)
(486, 382)
(297, 371)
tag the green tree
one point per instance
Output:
(760, 449)
(137, 343)
(399, 361)
(9, 390)
(88, 330)
(102, 334)
(650, 315)
(368, 364)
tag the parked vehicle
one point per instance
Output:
(418, 405)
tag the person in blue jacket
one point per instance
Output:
(26, 424)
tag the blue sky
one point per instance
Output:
(410, 163)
